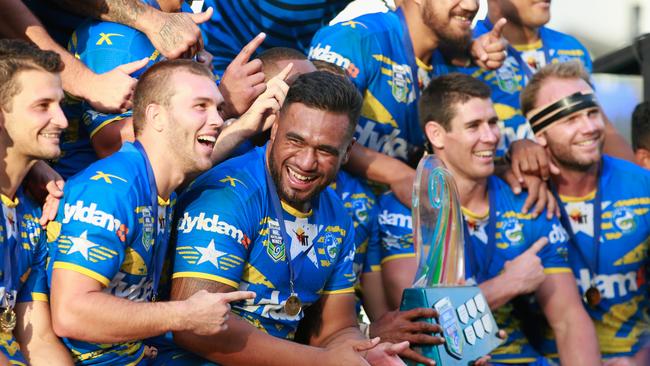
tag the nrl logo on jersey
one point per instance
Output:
(507, 79)
(275, 246)
(402, 76)
(148, 222)
(623, 219)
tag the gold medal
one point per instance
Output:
(293, 305)
(592, 296)
(7, 320)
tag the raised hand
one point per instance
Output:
(243, 80)
(526, 272)
(489, 50)
(177, 34)
(116, 92)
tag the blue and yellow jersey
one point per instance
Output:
(21, 234)
(508, 81)
(105, 229)
(227, 232)
(621, 318)
(515, 233)
(102, 46)
(361, 205)
(375, 50)
(287, 23)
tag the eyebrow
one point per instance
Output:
(329, 148)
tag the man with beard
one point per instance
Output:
(508, 253)
(266, 222)
(605, 207)
(113, 225)
(389, 57)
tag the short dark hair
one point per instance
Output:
(328, 92)
(330, 67)
(641, 126)
(155, 87)
(439, 99)
(273, 55)
(17, 56)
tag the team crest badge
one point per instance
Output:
(275, 247)
(513, 230)
(623, 218)
(400, 83)
(506, 79)
(331, 246)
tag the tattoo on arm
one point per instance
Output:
(125, 12)
(183, 288)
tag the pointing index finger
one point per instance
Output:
(248, 50)
(285, 72)
(237, 295)
(538, 245)
(498, 27)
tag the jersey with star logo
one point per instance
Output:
(22, 236)
(238, 242)
(105, 230)
(101, 46)
(508, 81)
(515, 233)
(372, 51)
(622, 278)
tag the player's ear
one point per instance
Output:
(156, 116)
(346, 156)
(642, 157)
(435, 134)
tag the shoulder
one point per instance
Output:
(623, 171)
(235, 182)
(115, 177)
(560, 39)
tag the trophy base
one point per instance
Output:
(467, 323)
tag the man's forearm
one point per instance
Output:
(376, 166)
(243, 344)
(127, 12)
(121, 321)
(576, 339)
(497, 292)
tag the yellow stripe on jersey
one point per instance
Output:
(206, 276)
(84, 271)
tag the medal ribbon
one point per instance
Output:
(160, 246)
(528, 73)
(9, 247)
(479, 271)
(277, 208)
(566, 222)
(410, 54)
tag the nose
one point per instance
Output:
(469, 5)
(306, 159)
(214, 118)
(591, 124)
(58, 117)
(489, 133)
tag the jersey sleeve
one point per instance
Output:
(372, 262)
(212, 239)
(35, 287)
(343, 278)
(395, 230)
(96, 222)
(350, 47)
(554, 255)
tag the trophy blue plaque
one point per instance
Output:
(467, 323)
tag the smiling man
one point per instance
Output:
(509, 254)
(604, 207)
(267, 222)
(113, 225)
(31, 122)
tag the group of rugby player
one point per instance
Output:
(175, 207)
